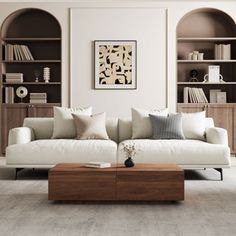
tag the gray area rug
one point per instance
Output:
(209, 209)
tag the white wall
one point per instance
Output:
(148, 27)
(101, 100)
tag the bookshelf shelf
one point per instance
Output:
(39, 32)
(30, 39)
(203, 84)
(34, 61)
(32, 83)
(208, 39)
(206, 61)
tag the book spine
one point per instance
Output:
(29, 53)
(186, 94)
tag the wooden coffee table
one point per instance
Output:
(143, 182)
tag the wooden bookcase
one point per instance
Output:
(41, 32)
(200, 30)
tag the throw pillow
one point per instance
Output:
(169, 127)
(64, 126)
(194, 125)
(91, 127)
(141, 123)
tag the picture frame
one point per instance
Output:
(115, 64)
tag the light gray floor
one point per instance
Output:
(209, 209)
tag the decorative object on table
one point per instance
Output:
(38, 97)
(9, 95)
(130, 151)
(213, 95)
(222, 52)
(21, 92)
(98, 164)
(46, 74)
(37, 73)
(14, 78)
(221, 97)
(115, 64)
(193, 76)
(213, 75)
(195, 55)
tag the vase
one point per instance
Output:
(129, 162)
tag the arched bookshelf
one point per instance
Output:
(199, 30)
(40, 31)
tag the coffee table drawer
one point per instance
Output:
(150, 185)
(84, 185)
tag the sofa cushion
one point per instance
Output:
(91, 127)
(182, 152)
(169, 127)
(141, 123)
(194, 125)
(64, 126)
(50, 152)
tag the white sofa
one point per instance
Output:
(31, 146)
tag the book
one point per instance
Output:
(186, 94)
(221, 97)
(222, 52)
(213, 95)
(98, 164)
(9, 95)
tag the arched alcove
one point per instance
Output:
(207, 31)
(40, 32)
(206, 22)
(31, 22)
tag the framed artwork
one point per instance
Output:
(115, 64)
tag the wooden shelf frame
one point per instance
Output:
(32, 83)
(208, 39)
(30, 39)
(203, 84)
(206, 61)
(32, 61)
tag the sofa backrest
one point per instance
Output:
(117, 129)
(43, 127)
(125, 127)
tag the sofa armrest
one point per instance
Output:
(20, 135)
(217, 136)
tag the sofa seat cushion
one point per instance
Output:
(50, 152)
(182, 152)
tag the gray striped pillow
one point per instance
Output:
(169, 127)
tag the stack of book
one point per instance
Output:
(194, 95)
(222, 51)
(98, 164)
(9, 95)
(38, 97)
(14, 78)
(17, 52)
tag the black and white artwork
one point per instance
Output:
(115, 64)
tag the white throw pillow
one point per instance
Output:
(194, 125)
(64, 126)
(141, 123)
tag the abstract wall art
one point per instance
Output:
(115, 64)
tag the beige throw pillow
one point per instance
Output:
(141, 123)
(64, 126)
(91, 127)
